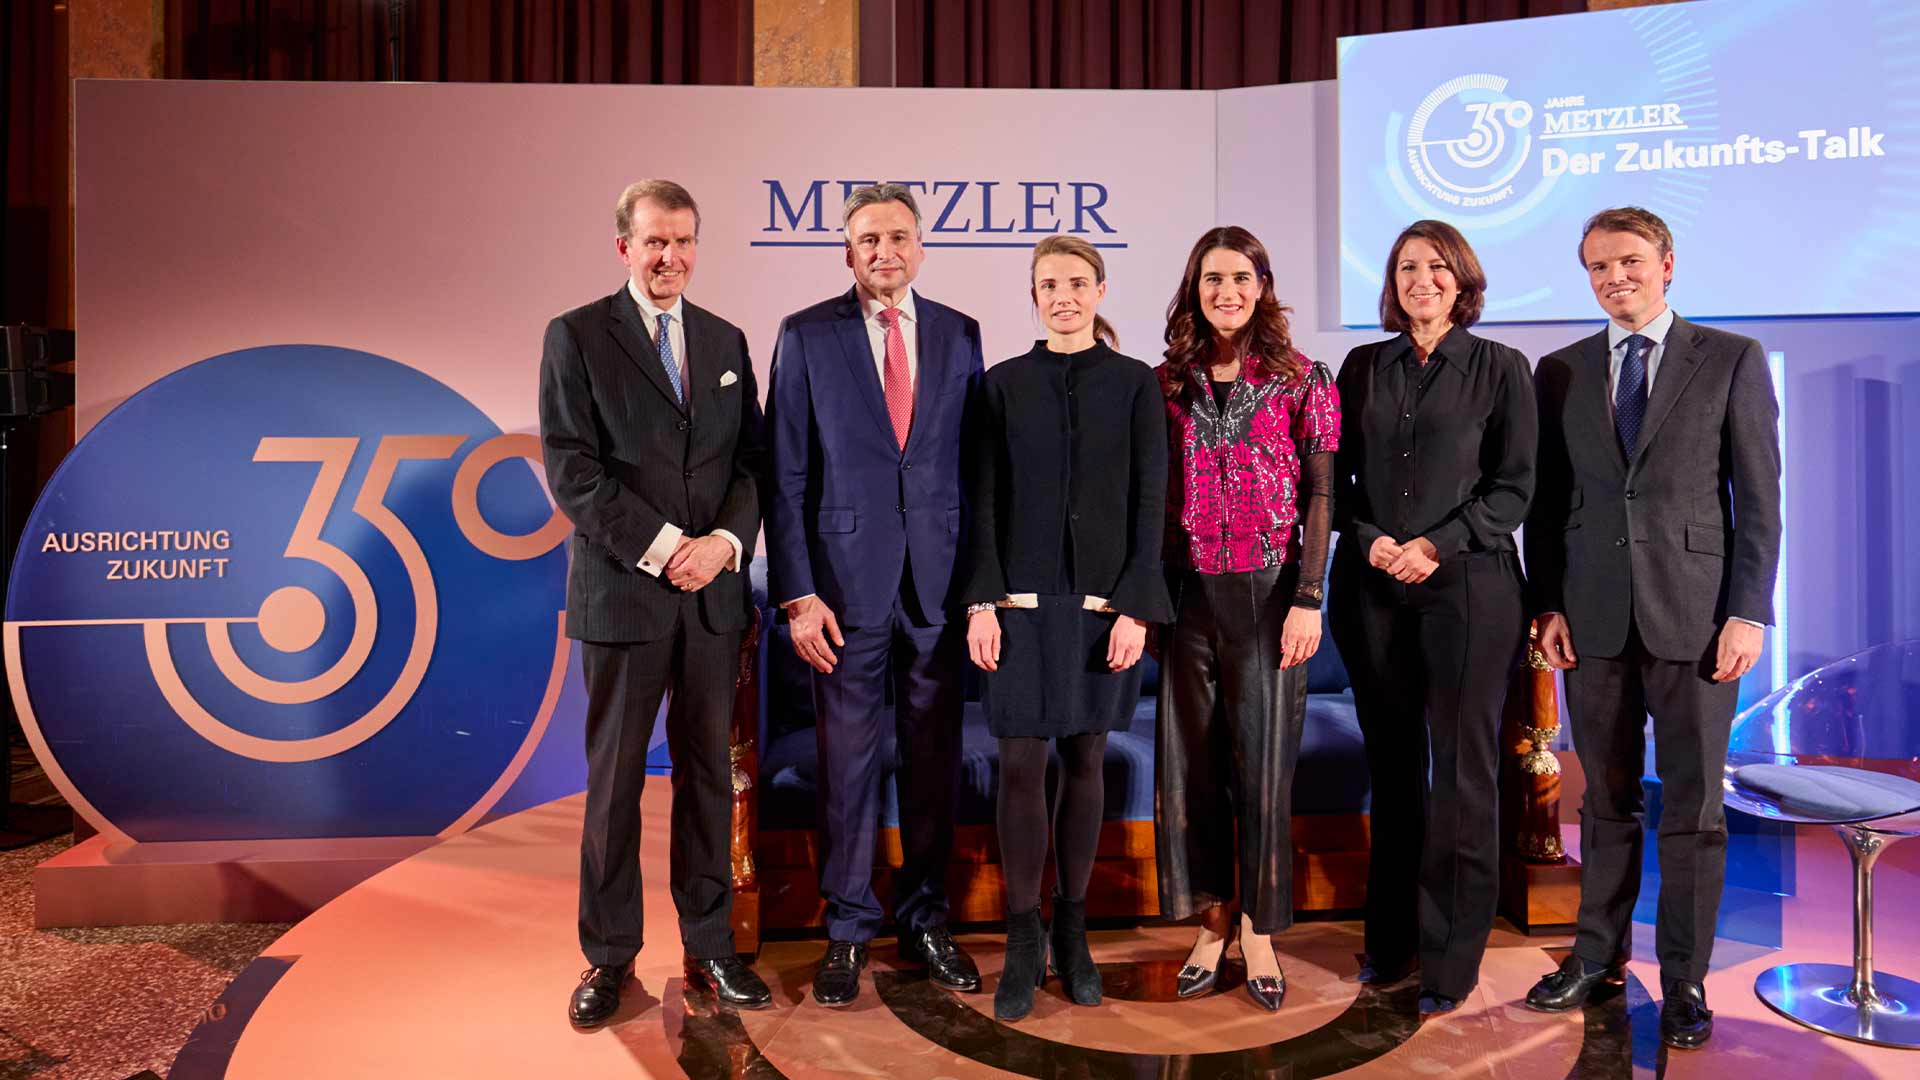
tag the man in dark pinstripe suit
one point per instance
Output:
(651, 428)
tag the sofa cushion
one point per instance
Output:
(1331, 779)
(1326, 672)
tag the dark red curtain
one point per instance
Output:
(30, 145)
(537, 41)
(1140, 44)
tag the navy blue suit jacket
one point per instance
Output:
(845, 504)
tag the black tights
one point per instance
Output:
(1022, 815)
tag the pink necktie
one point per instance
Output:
(898, 384)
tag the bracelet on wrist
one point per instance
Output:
(975, 609)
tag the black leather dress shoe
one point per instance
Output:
(1385, 973)
(1573, 984)
(837, 980)
(730, 980)
(598, 996)
(1685, 1020)
(947, 963)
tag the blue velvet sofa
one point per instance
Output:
(1330, 799)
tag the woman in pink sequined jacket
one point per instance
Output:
(1252, 426)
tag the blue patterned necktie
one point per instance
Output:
(672, 363)
(1630, 395)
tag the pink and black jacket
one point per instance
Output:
(1234, 476)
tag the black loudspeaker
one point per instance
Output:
(29, 385)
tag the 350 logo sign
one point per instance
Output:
(292, 591)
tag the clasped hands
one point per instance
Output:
(1409, 563)
(696, 561)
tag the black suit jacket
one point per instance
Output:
(1687, 533)
(624, 457)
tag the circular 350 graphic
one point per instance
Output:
(1467, 141)
(291, 591)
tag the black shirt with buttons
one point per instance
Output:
(1443, 449)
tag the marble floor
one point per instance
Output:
(458, 963)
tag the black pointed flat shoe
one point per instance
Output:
(1195, 980)
(1267, 991)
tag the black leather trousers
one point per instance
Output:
(1229, 737)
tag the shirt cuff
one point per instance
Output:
(786, 604)
(733, 542)
(1450, 538)
(657, 554)
(1749, 622)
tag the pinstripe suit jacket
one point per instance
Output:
(624, 457)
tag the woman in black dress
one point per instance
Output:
(1069, 497)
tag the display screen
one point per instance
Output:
(1779, 140)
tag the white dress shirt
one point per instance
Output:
(1617, 336)
(877, 337)
(676, 326)
(668, 538)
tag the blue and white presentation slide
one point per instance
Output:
(1780, 140)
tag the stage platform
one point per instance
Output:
(457, 962)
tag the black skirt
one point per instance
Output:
(1053, 678)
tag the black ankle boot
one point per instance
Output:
(1071, 960)
(1025, 967)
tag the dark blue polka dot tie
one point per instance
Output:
(672, 363)
(1630, 395)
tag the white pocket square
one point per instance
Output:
(728, 379)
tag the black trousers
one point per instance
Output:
(897, 686)
(1608, 701)
(1431, 664)
(625, 684)
(1229, 738)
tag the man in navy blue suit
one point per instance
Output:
(870, 393)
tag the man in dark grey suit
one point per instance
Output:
(651, 428)
(1652, 547)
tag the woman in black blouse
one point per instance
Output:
(1435, 471)
(1069, 495)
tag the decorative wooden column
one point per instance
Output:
(795, 43)
(744, 751)
(806, 42)
(1539, 881)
